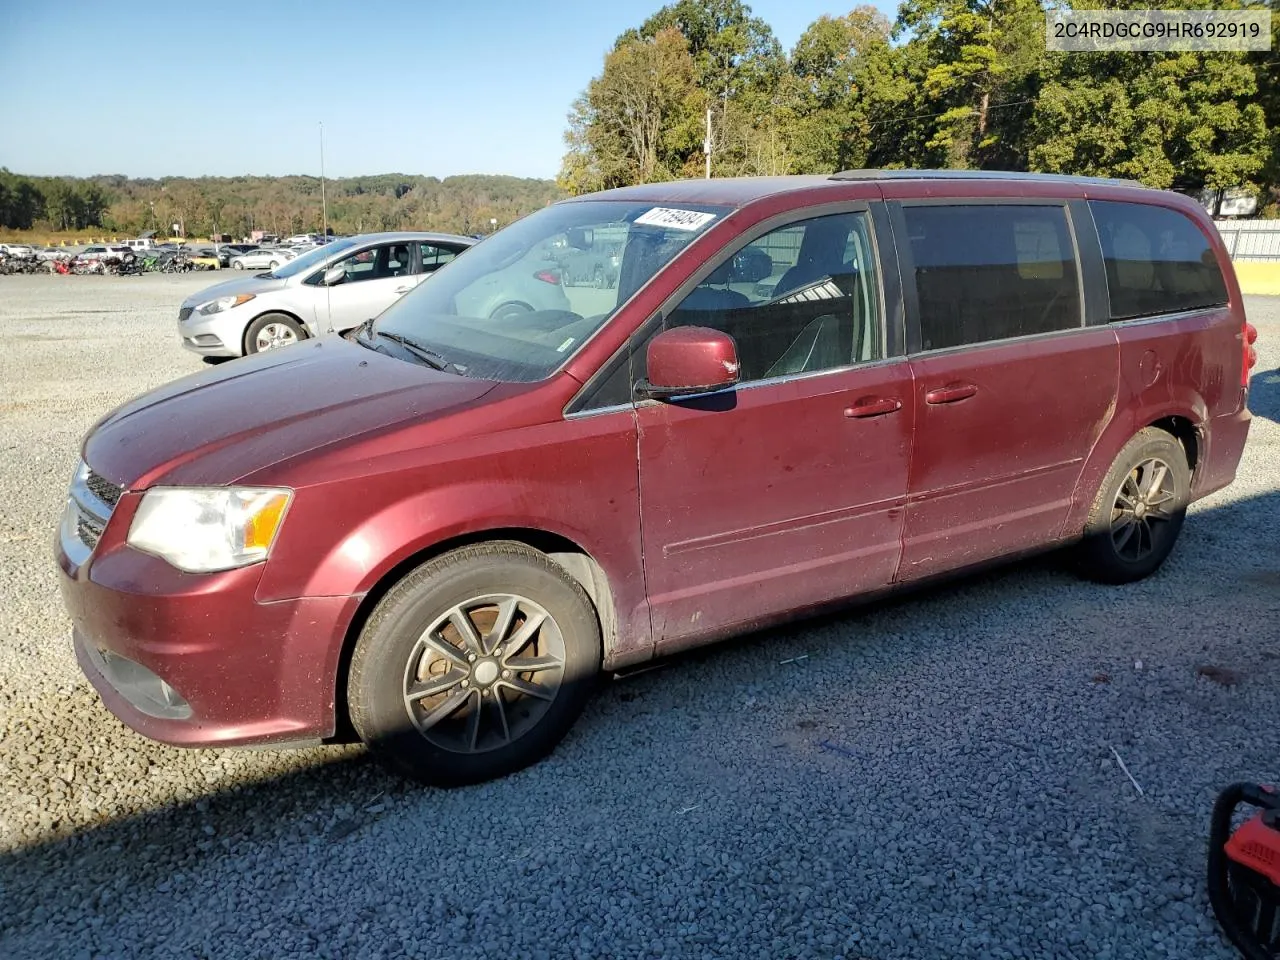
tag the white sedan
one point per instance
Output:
(261, 259)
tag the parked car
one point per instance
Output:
(18, 251)
(264, 258)
(334, 287)
(205, 259)
(594, 264)
(52, 253)
(441, 528)
(226, 251)
(137, 246)
(103, 253)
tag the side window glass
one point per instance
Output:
(801, 299)
(988, 272)
(1157, 260)
(433, 257)
(360, 266)
(396, 262)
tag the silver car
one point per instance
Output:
(261, 259)
(332, 288)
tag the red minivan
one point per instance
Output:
(798, 391)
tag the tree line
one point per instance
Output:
(280, 205)
(948, 83)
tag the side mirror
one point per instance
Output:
(335, 275)
(684, 361)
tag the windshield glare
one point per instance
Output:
(312, 258)
(518, 305)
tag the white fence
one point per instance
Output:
(1251, 239)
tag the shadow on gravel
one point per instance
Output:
(1264, 394)
(346, 792)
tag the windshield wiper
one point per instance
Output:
(425, 354)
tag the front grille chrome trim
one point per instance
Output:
(90, 504)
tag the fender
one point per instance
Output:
(1122, 428)
(586, 494)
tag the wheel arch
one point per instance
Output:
(1184, 423)
(570, 556)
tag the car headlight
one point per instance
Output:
(223, 303)
(201, 530)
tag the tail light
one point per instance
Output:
(548, 276)
(1250, 335)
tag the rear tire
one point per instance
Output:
(447, 708)
(1138, 512)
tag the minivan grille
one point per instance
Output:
(184, 313)
(88, 530)
(103, 489)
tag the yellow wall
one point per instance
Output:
(1258, 276)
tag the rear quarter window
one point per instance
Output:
(1157, 260)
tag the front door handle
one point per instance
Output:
(403, 289)
(872, 407)
(951, 393)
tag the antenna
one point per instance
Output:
(324, 226)
(324, 207)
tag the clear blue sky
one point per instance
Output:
(223, 88)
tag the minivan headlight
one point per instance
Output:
(223, 303)
(201, 530)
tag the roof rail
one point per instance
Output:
(977, 175)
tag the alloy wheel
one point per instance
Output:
(484, 673)
(1142, 509)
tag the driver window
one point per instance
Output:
(801, 299)
(360, 266)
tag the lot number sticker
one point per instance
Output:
(675, 219)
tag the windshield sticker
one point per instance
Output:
(565, 346)
(675, 219)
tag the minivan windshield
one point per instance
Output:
(520, 303)
(312, 258)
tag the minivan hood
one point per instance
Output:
(219, 425)
(233, 288)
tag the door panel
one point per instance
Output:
(1000, 447)
(772, 498)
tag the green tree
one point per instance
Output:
(982, 60)
(629, 126)
(1181, 120)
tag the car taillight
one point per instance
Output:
(1250, 352)
(547, 276)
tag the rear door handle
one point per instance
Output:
(951, 393)
(873, 407)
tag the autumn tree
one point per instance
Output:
(628, 126)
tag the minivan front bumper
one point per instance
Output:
(196, 660)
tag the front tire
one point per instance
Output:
(475, 665)
(1139, 510)
(272, 331)
(237, 265)
(510, 311)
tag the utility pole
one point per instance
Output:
(706, 144)
(324, 206)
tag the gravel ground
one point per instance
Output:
(934, 780)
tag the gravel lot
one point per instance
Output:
(934, 780)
